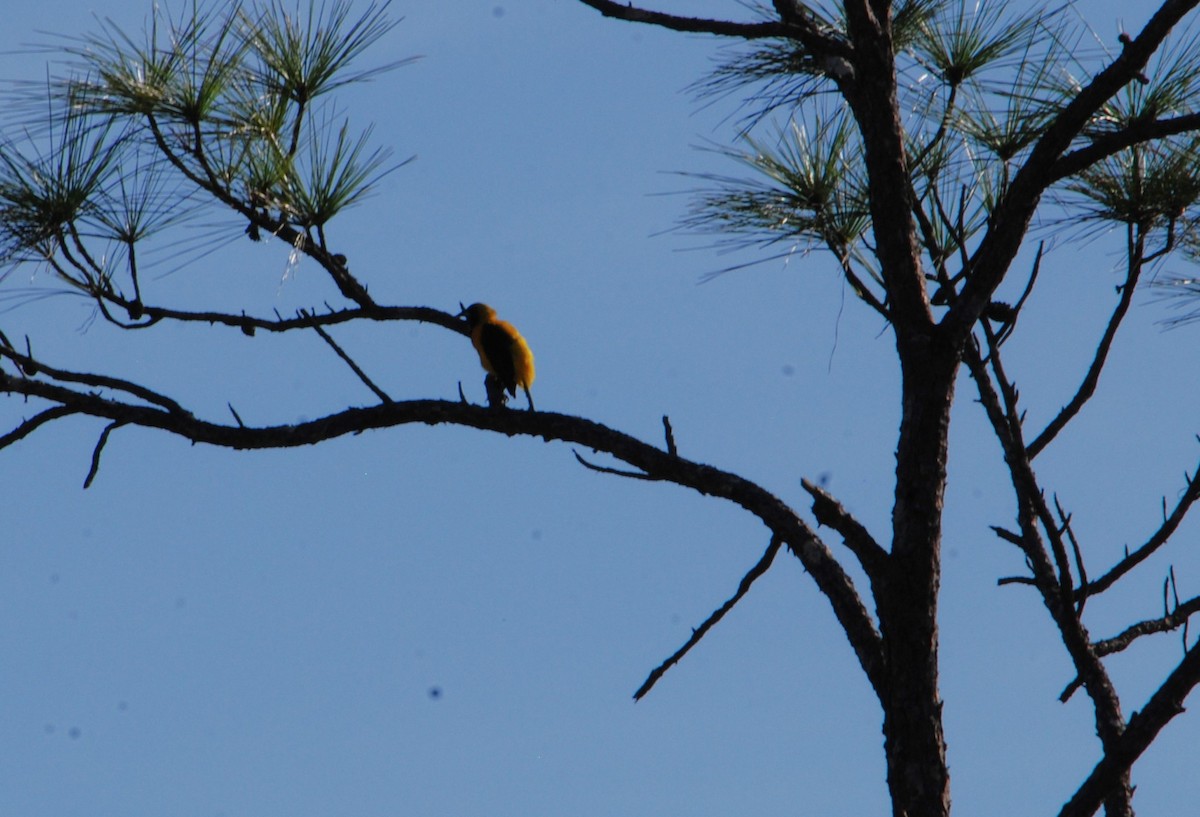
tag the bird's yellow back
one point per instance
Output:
(502, 350)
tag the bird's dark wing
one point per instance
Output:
(498, 346)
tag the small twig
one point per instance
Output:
(1070, 690)
(1065, 518)
(699, 632)
(1008, 536)
(1016, 580)
(236, 416)
(614, 471)
(91, 475)
(670, 433)
(354, 367)
(1007, 330)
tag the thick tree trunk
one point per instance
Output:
(914, 743)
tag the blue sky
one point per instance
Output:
(445, 622)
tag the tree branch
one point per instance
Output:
(710, 622)
(340, 352)
(783, 522)
(1143, 728)
(1088, 387)
(1112, 143)
(95, 468)
(249, 324)
(1157, 540)
(831, 513)
(211, 183)
(1171, 621)
(31, 425)
(1055, 590)
(1010, 219)
(749, 31)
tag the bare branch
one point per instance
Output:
(249, 324)
(1008, 536)
(749, 31)
(35, 422)
(616, 472)
(710, 622)
(1065, 519)
(29, 364)
(783, 522)
(1159, 538)
(1055, 589)
(354, 367)
(1004, 333)
(1171, 621)
(95, 467)
(1088, 387)
(858, 539)
(1143, 728)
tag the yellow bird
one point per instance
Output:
(503, 353)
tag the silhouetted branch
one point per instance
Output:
(1054, 586)
(616, 472)
(1143, 728)
(718, 614)
(1005, 332)
(831, 513)
(354, 367)
(1088, 387)
(1110, 144)
(35, 422)
(151, 315)
(1159, 538)
(1173, 620)
(750, 31)
(95, 467)
(783, 522)
(1065, 519)
(209, 181)
(29, 364)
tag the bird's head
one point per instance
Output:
(477, 314)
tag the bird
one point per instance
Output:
(503, 353)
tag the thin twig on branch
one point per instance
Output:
(718, 614)
(340, 352)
